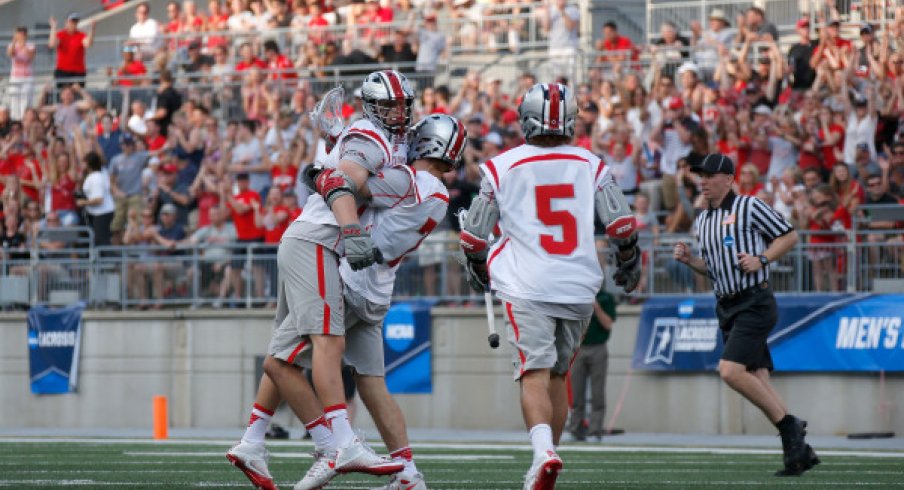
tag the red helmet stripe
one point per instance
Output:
(554, 102)
(459, 139)
(395, 85)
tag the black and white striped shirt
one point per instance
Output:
(741, 224)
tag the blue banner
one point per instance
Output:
(54, 336)
(816, 333)
(406, 347)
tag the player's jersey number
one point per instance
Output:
(564, 219)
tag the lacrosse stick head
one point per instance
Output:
(327, 114)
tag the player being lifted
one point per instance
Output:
(404, 209)
(544, 266)
(310, 311)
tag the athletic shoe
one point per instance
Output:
(799, 468)
(405, 481)
(543, 473)
(252, 460)
(358, 457)
(794, 447)
(320, 473)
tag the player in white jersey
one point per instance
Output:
(404, 208)
(310, 306)
(544, 266)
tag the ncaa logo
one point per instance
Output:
(728, 241)
(686, 309)
(32, 339)
(398, 328)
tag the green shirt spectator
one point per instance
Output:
(596, 332)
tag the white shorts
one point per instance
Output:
(310, 297)
(541, 341)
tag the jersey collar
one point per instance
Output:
(727, 201)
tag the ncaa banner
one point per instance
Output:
(406, 347)
(54, 336)
(815, 333)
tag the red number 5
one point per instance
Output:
(545, 194)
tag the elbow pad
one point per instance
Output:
(615, 214)
(332, 184)
(476, 225)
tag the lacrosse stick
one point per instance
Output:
(327, 114)
(493, 338)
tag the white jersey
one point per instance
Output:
(397, 230)
(547, 250)
(363, 143)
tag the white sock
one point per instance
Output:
(541, 439)
(404, 456)
(322, 435)
(337, 418)
(257, 425)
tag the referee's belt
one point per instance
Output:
(744, 293)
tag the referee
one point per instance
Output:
(739, 237)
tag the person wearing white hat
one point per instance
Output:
(708, 43)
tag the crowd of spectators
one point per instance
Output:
(815, 129)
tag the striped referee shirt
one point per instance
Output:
(741, 224)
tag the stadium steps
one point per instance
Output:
(630, 16)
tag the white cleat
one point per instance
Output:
(321, 472)
(543, 472)
(252, 460)
(405, 481)
(358, 457)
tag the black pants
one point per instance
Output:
(100, 225)
(67, 78)
(746, 323)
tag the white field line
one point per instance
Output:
(470, 447)
(181, 454)
(456, 483)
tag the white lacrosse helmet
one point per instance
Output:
(548, 109)
(381, 93)
(438, 136)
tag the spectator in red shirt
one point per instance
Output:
(317, 35)
(749, 182)
(832, 49)
(290, 201)
(273, 218)
(825, 214)
(247, 59)
(173, 25)
(131, 67)
(615, 48)
(70, 44)
(243, 206)
(279, 64)
(30, 175)
(217, 18)
(153, 139)
(831, 136)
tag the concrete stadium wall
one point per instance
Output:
(204, 361)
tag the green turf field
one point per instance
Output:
(186, 464)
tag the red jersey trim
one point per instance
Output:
(511, 316)
(496, 253)
(492, 168)
(321, 289)
(373, 135)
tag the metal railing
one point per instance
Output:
(783, 13)
(247, 276)
(496, 28)
(221, 91)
